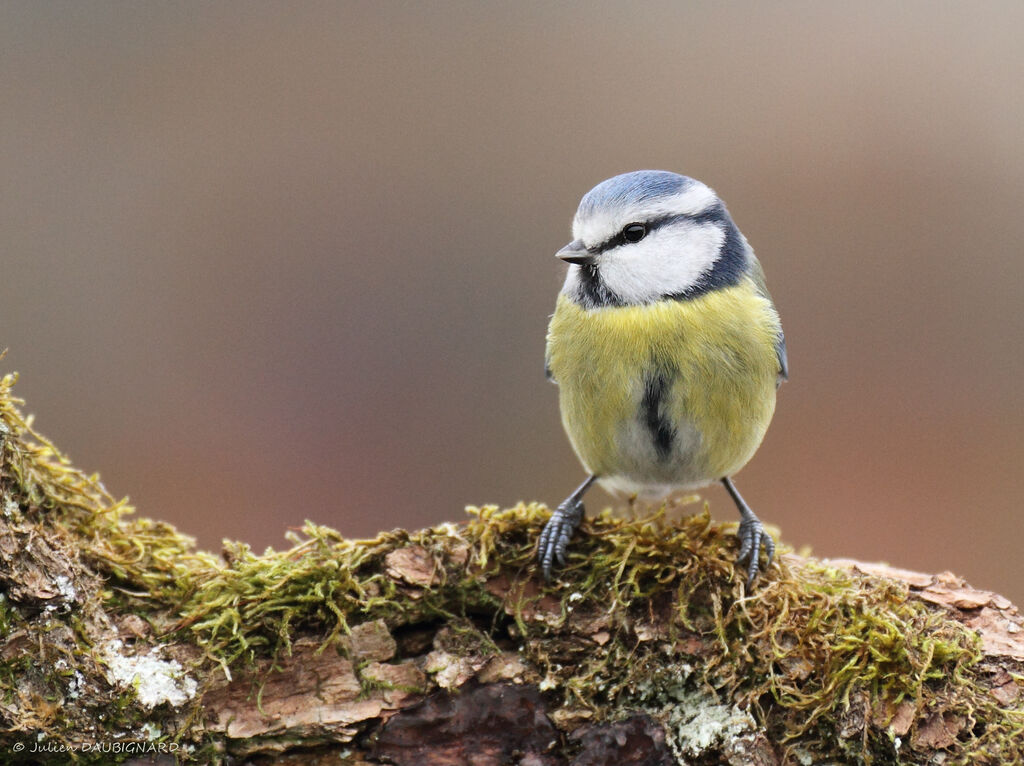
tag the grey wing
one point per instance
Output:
(780, 352)
(757, 274)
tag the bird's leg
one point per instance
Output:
(563, 522)
(752, 535)
(631, 500)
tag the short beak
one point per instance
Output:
(576, 252)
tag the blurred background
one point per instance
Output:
(268, 262)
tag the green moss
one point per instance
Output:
(648, 614)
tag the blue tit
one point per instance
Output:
(666, 348)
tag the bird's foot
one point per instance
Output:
(555, 537)
(753, 537)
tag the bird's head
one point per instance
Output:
(649, 235)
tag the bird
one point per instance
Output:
(667, 350)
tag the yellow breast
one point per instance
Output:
(669, 395)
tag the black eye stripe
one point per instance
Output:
(733, 262)
(715, 214)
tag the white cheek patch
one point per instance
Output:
(667, 261)
(601, 225)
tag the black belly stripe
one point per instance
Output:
(656, 387)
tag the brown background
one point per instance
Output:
(270, 262)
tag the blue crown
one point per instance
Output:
(633, 188)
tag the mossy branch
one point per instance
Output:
(118, 639)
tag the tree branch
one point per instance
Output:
(119, 641)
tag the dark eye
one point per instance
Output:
(634, 232)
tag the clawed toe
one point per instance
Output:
(753, 537)
(554, 539)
